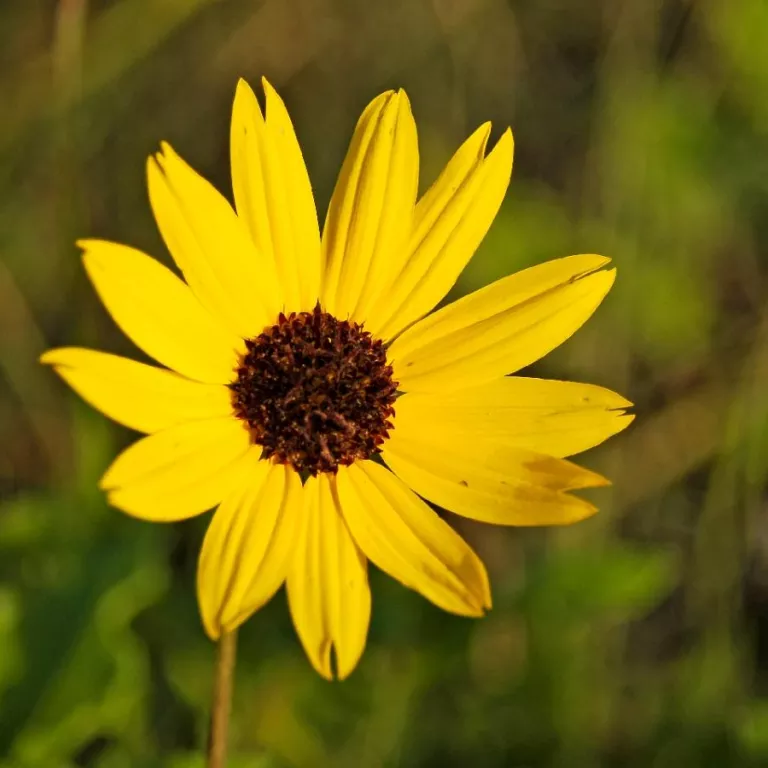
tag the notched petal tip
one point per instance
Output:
(586, 510)
(479, 600)
(330, 665)
(153, 166)
(87, 244)
(246, 97)
(476, 605)
(213, 633)
(622, 420)
(107, 484)
(110, 495)
(386, 99)
(402, 99)
(605, 278)
(487, 598)
(501, 156)
(210, 620)
(276, 115)
(595, 480)
(571, 476)
(51, 357)
(485, 601)
(92, 249)
(481, 133)
(90, 258)
(60, 357)
(505, 146)
(343, 672)
(599, 263)
(89, 253)
(323, 662)
(474, 608)
(268, 88)
(402, 105)
(618, 403)
(166, 154)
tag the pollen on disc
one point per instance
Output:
(316, 392)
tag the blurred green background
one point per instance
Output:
(636, 639)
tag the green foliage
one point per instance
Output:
(619, 583)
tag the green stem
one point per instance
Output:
(222, 700)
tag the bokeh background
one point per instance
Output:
(636, 639)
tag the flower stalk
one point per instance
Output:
(221, 705)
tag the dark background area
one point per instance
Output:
(637, 639)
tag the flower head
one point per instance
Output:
(295, 364)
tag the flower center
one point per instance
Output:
(315, 391)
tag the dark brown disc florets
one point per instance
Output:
(315, 391)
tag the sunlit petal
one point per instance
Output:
(182, 471)
(450, 221)
(212, 247)
(159, 313)
(140, 396)
(370, 214)
(559, 418)
(490, 481)
(328, 590)
(273, 194)
(248, 547)
(398, 532)
(501, 328)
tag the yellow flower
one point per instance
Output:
(293, 362)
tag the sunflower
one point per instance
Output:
(308, 394)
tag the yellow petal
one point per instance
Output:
(248, 547)
(160, 314)
(559, 418)
(501, 328)
(404, 537)
(182, 471)
(212, 247)
(141, 397)
(273, 195)
(490, 481)
(450, 221)
(369, 217)
(328, 591)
